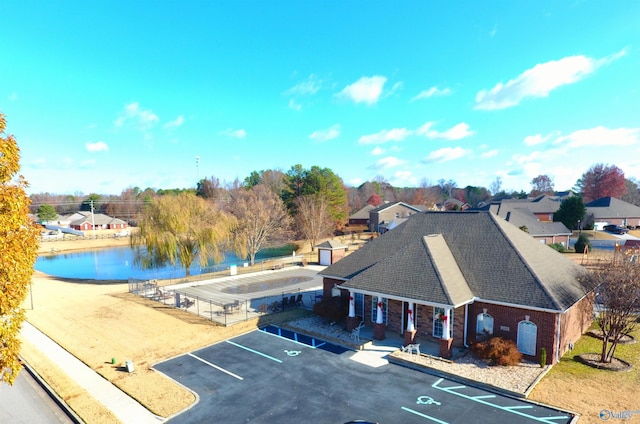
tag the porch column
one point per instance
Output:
(446, 341)
(410, 332)
(352, 321)
(378, 328)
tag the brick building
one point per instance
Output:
(455, 277)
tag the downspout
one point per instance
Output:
(466, 318)
(557, 355)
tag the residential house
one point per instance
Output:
(455, 277)
(609, 210)
(361, 217)
(534, 216)
(383, 215)
(543, 206)
(84, 221)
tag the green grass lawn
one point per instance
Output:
(588, 344)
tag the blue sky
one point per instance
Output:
(108, 95)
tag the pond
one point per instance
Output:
(117, 263)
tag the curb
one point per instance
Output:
(57, 399)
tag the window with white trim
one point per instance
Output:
(358, 303)
(484, 324)
(437, 323)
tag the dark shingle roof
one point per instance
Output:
(362, 213)
(610, 207)
(497, 261)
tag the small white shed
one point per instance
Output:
(330, 252)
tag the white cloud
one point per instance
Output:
(540, 80)
(326, 134)
(89, 163)
(365, 90)
(490, 153)
(389, 162)
(601, 136)
(433, 91)
(309, 86)
(98, 146)
(377, 151)
(293, 105)
(457, 132)
(143, 119)
(404, 179)
(230, 132)
(534, 140)
(384, 136)
(446, 154)
(175, 123)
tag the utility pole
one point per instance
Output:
(93, 221)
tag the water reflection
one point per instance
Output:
(117, 263)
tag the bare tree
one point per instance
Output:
(313, 220)
(616, 285)
(262, 217)
(542, 184)
(496, 186)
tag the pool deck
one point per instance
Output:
(221, 288)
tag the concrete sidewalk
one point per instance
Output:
(121, 405)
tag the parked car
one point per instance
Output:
(617, 229)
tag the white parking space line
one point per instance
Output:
(215, 366)
(512, 410)
(254, 351)
(420, 414)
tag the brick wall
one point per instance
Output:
(505, 324)
(575, 322)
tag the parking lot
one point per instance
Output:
(269, 376)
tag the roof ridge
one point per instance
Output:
(527, 265)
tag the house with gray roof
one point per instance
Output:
(383, 215)
(84, 221)
(456, 277)
(609, 210)
(361, 217)
(534, 216)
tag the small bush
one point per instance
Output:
(581, 243)
(558, 246)
(332, 309)
(498, 351)
(543, 357)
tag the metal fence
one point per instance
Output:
(225, 313)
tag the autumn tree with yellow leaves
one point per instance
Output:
(19, 239)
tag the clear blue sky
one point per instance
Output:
(108, 95)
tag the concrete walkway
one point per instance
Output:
(119, 403)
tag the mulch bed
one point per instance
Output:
(593, 360)
(625, 339)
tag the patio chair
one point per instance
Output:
(299, 300)
(412, 348)
(355, 333)
(292, 300)
(285, 302)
